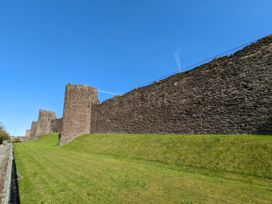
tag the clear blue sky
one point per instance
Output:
(111, 45)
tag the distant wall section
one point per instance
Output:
(44, 122)
(56, 125)
(33, 129)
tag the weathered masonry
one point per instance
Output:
(228, 95)
(46, 123)
(78, 104)
(33, 129)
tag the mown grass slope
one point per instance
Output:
(119, 168)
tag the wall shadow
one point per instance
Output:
(14, 189)
(265, 128)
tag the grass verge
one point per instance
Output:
(121, 168)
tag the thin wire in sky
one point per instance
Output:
(108, 92)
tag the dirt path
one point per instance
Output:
(4, 153)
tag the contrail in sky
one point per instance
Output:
(108, 92)
(178, 61)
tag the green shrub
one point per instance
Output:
(16, 140)
(3, 134)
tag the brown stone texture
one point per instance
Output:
(77, 111)
(44, 122)
(33, 129)
(56, 125)
(230, 94)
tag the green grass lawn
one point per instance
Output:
(120, 168)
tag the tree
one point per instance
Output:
(3, 134)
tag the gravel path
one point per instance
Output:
(4, 152)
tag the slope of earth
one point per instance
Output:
(122, 168)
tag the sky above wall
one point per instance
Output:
(114, 46)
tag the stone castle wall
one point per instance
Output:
(33, 129)
(56, 125)
(77, 111)
(228, 95)
(44, 122)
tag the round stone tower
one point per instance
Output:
(44, 122)
(77, 111)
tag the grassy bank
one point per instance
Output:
(146, 169)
